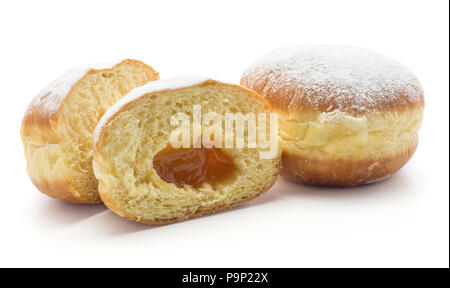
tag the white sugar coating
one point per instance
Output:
(346, 77)
(177, 82)
(49, 99)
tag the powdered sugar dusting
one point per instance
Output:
(47, 101)
(332, 77)
(176, 82)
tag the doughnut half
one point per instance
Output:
(133, 132)
(57, 126)
(348, 116)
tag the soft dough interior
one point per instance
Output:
(89, 99)
(131, 187)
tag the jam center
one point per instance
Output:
(192, 166)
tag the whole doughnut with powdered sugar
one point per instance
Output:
(348, 115)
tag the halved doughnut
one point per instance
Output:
(142, 177)
(57, 127)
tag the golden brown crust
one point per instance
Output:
(39, 129)
(325, 78)
(343, 172)
(61, 191)
(294, 98)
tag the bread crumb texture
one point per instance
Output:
(58, 125)
(131, 137)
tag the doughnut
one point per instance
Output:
(348, 115)
(143, 177)
(57, 127)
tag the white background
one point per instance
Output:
(403, 221)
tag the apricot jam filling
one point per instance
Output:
(193, 166)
